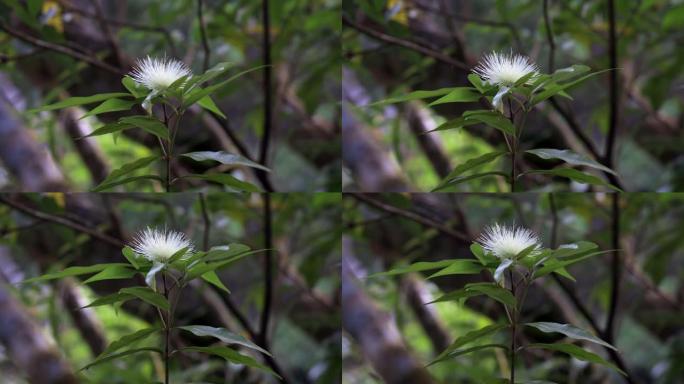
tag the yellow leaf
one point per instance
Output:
(52, 15)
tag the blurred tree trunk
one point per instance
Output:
(376, 332)
(27, 347)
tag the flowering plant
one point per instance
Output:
(165, 89)
(168, 262)
(510, 86)
(514, 258)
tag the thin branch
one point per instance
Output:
(60, 220)
(60, 49)
(266, 87)
(207, 222)
(268, 271)
(549, 36)
(410, 215)
(203, 35)
(616, 268)
(404, 43)
(127, 24)
(613, 91)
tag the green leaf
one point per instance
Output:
(498, 274)
(207, 103)
(569, 331)
(569, 157)
(456, 123)
(468, 165)
(476, 81)
(111, 105)
(674, 18)
(227, 180)
(459, 267)
(103, 187)
(493, 119)
(415, 95)
(556, 88)
(148, 124)
(113, 272)
(224, 335)
(567, 73)
(116, 356)
(108, 128)
(133, 87)
(128, 340)
(226, 251)
(73, 271)
(110, 299)
(577, 353)
(201, 268)
(462, 179)
(525, 252)
(574, 175)
(464, 351)
(494, 291)
(470, 337)
(198, 93)
(224, 158)
(456, 295)
(147, 295)
(79, 100)
(131, 256)
(128, 168)
(415, 267)
(458, 95)
(233, 356)
(212, 278)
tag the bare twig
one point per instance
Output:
(268, 271)
(403, 43)
(266, 87)
(409, 215)
(203, 36)
(60, 49)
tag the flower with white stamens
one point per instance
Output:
(506, 242)
(158, 74)
(505, 69)
(159, 245)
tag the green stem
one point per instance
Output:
(167, 333)
(514, 321)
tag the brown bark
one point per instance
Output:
(87, 147)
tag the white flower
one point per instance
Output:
(159, 245)
(504, 69)
(506, 242)
(158, 74)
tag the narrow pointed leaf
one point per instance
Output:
(575, 175)
(464, 351)
(228, 181)
(415, 267)
(570, 331)
(233, 356)
(577, 353)
(224, 335)
(569, 157)
(468, 165)
(103, 187)
(224, 158)
(113, 272)
(116, 356)
(458, 95)
(207, 103)
(470, 337)
(111, 105)
(148, 124)
(129, 339)
(497, 293)
(79, 100)
(147, 295)
(73, 271)
(459, 267)
(415, 95)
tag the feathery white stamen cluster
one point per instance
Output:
(504, 69)
(158, 74)
(506, 242)
(159, 245)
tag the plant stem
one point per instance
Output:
(514, 143)
(167, 152)
(514, 320)
(167, 333)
